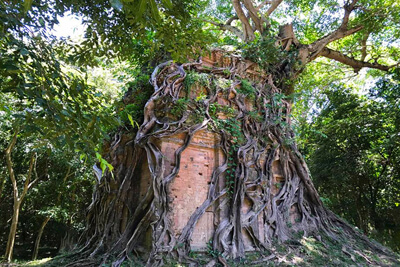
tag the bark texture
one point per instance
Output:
(131, 216)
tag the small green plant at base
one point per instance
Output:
(226, 72)
(224, 83)
(210, 250)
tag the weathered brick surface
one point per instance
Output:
(190, 187)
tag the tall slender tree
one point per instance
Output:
(18, 197)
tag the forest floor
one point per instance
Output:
(40, 262)
(307, 251)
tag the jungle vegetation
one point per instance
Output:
(327, 88)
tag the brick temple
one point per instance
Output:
(189, 188)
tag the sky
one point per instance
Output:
(69, 26)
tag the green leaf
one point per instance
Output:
(133, 122)
(154, 11)
(141, 9)
(24, 51)
(167, 4)
(42, 22)
(64, 112)
(103, 165)
(27, 5)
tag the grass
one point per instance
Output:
(40, 262)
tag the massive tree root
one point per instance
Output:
(262, 187)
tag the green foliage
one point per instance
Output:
(135, 99)
(180, 106)
(255, 116)
(210, 250)
(63, 190)
(145, 29)
(233, 127)
(104, 165)
(265, 52)
(57, 104)
(194, 78)
(271, 58)
(216, 108)
(352, 151)
(58, 114)
(247, 89)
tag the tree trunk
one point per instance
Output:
(39, 236)
(13, 231)
(2, 183)
(68, 242)
(17, 197)
(258, 188)
(47, 219)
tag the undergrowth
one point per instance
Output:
(316, 250)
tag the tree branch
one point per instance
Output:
(317, 46)
(263, 4)
(273, 6)
(364, 46)
(354, 63)
(227, 27)
(230, 20)
(36, 175)
(247, 29)
(9, 163)
(348, 8)
(27, 183)
(253, 15)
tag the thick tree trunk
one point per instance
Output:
(258, 189)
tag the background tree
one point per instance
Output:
(353, 156)
(43, 105)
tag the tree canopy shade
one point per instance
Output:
(281, 37)
(43, 106)
(358, 137)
